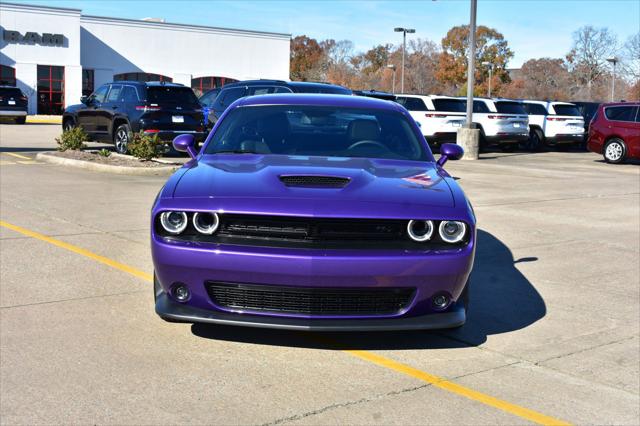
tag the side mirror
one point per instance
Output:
(185, 143)
(450, 151)
(84, 99)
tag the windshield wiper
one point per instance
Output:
(235, 151)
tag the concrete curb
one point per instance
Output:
(98, 167)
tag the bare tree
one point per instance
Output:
(587, 59)
(630, 55)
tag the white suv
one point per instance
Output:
(439, 117)
(501, 121)
(553, 124)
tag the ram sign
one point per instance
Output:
(45, 39)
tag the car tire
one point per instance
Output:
(21, 120)
(536, 138)
(68, 124)
(483, 145)
(121, 138)
(614, 151)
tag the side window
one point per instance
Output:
(412, 104)
(282, 90)
(114, 93)
(129, 94)
(479, 106)
(259, 90)
(638, 115)
(208, 98)
(620, 113)
(227, 97)
(100, 94)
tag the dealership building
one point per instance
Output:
(56, 55)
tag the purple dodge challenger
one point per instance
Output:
(313, 212)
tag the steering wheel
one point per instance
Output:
(368, 142)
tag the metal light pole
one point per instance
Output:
(490, 65)
(471, 66)
(404, 32)
(393, 87)
(613, 60)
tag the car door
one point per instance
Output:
(86, 115)
(107, 110)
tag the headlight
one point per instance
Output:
(420, 230)
(174, 222)
(452, 231)
(206, 223)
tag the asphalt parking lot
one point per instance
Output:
(552, 334)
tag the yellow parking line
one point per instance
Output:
(6, 163)
(78, 250)
(436, 381)
(13, 154)
(29, 162)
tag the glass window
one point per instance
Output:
(50, 89)
(280, 89)
(11, 92)
(535, 109)
(620, 113)
(171, 95)
(208, 98)
(229, 96)
(412, 104)
(87, 82)
(479, 106)
(100, 94)
(570, 110)
(114, 93)
(318, 131)
(510, 108)
(7, 75)
(450, 105)
(129, 94)
(259, 90)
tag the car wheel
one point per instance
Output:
(482, 142)
(68, 125)
(21, 120)
(614, 151)
(535, 143)
(121, 138)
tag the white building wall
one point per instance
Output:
(25, 57)
(182, 52)
(112, 46)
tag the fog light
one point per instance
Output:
(440, 301)
(181, 292)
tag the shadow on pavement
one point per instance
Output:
(24, 149)
(502, 301)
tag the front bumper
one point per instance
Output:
(168, 309)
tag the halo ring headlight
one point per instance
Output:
(205, 222)
(452, 231)
(420, 230)
(174, 222)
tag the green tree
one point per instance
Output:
(490, 47)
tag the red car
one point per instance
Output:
(614, 132)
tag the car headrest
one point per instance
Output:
(273, 126)
(360, 130)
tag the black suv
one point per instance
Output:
(13, 104)
(116, 110)
(234, 91)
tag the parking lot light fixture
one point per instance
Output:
(393, 85)
(613, 60)
(404, 32)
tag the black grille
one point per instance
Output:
(310, 301)
(315, 181)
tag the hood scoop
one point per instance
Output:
(314, 181)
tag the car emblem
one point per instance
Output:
(178, 107)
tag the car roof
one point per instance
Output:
(409, 95)
(319, 100)
(608, 104)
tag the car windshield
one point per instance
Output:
(171, 95)
(567, 110)
(326, 131)
(510, 108)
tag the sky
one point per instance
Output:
(533, 28)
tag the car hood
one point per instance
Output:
(236, 181)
